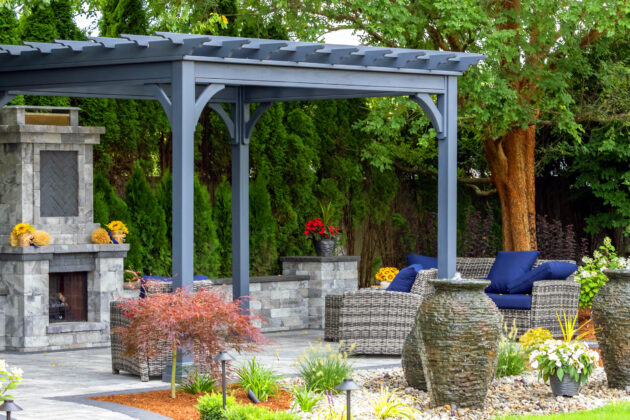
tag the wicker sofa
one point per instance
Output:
(378, 321)
(139, 364)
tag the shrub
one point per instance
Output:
(389, 405)
(534, 337)
(590, 275)
(261, 380)
(557, 241)
(210, 407)
(305, 398)
(197, 382)
(323, 368)
(512, 358)
(204, 322)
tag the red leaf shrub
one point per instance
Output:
(205, 322)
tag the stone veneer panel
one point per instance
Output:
(328, 275)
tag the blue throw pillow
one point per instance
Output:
(520, 301)
(509, 266)
(551, 270)
(404, 279)
(424, 261)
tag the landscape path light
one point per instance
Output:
(348, 385)
(223, 357)
(8, 406)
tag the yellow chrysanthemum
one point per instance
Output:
(100, 236)
(117, 225)
(13, 240)
(224, 19)
(22, 228)
(41, 238)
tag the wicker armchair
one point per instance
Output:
(141, 365)
(377, 321)
(548, 297)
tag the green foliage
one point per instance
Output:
(619, 410)
(108, 205)
(262, 228)
(323, 368)
(207, 256)
(512, 357)
(305, 398)
(197, 382)
(261, 380)
(222, 213)
(590, 275)
(38, 24)
(210, 407)
(8, 25)
(147, 238)
(388, 405)
(123, 17)
(556, 357)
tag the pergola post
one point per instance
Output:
(447, 181)
(240, 199)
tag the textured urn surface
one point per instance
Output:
(325, 247)
(611, 318)
(460, 329)
(412, 361)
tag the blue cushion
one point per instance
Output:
(517, 301)
(404, 279)
(424, 261)
(509, 266)
(551, 270)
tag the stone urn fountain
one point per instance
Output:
(611, 318)
(459, 329)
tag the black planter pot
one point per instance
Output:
(324, 247)
(611, 319)
(459, 331)
(567, 387)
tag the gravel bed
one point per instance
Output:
(522, 394)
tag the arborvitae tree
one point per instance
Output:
(108, 205)
(38, 23)
(8, 26)
(64, 22)
(123, 16)
(263, 228)
(147, 230)
(164, 196)
(222, 213)
(207, 251)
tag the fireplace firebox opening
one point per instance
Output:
(67, 297)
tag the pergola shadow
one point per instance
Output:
(186, 73)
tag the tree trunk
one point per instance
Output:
(511, 161)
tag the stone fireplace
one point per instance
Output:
(53, 297)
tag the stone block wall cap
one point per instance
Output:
(71, 327)
(62, 249)
(264, 279)
(56, 129)
(309, 258)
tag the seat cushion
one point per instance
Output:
(509, 266)
(516, 301)
(404, 279)
(143, 290)
(426, 262)
(551, 270)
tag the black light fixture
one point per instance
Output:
(223, 357)
(348, 385)
(8, 406)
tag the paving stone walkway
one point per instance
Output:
(56, 383)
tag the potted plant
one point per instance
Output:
(117, 231)
(322, 232)
(22, 234)
(566, 363)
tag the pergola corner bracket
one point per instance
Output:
(202, 100)
(432, 111)
(164, 100)
(229, 124)
(5, 98)
(251, 123)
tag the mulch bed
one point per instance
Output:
(182, 407)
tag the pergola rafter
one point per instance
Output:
(186, 73)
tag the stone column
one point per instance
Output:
(328, 276)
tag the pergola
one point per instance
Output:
(188, 72)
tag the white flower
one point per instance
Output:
(3, 365)
(558, 363)
(16, 371)
(534, 364)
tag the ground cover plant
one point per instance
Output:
(198, 382)
(613, 411)
(263, 381)
(204, 322)
(210, 407)
(323, 368)
(305, 398)
(388, 405)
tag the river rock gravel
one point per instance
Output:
(522, 394)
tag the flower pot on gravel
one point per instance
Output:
(567, 387)
(459, 340)
(324, 247)
(611, 315)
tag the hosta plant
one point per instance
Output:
(590, 275)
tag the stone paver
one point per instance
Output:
(53, 380)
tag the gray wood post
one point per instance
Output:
(240, 198)
(447, 181)
(183, 128)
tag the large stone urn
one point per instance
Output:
(611, 318)
(412, 361)
(460, 329)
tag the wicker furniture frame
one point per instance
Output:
(139, 364)
(378, 321)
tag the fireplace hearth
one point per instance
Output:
(53, 297)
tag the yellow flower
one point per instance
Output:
(224, 19)
(100, 236)
(41, 238)
(117, 225)
(22, 228)
(390, 276)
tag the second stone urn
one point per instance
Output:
(611, 318)
(458, 330)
